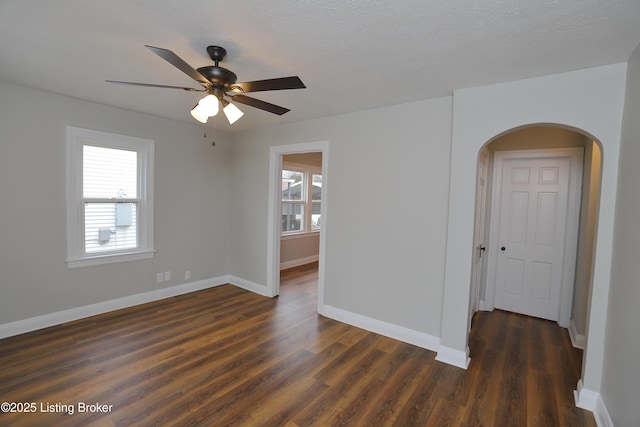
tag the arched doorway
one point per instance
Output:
(590, 101)
(541, 137)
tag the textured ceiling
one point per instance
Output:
(352, 55)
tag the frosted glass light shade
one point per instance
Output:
(207, 107)
(232, 112)
(199, 115)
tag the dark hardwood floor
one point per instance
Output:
(225, 356)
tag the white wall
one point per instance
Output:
(621, 376)
(387, 208)
(191, 222)
(590, 100)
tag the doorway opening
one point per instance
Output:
(572, 312)
(300, 209)
(297, 212)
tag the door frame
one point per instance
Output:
(274, 214)
(575, 154)
(479, 265)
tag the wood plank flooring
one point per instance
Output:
(225, 356)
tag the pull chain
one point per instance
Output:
(213, 140)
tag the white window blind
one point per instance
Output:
(109, 172)
(109, 175)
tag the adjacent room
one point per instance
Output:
(289, 213)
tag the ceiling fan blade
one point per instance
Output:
(266, 106)
(179, 63)
(190, 89)
(281, 83)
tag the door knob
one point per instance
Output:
(503, 249)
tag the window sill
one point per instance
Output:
(299, 235)
(109, 259)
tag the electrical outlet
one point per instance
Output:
(167, 276)
(187, 275)
(159, 277)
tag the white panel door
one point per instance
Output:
(532, 235)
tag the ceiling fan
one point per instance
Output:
(218, 83)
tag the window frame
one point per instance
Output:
(307, 172)
(77, 138)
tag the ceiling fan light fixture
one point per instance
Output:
(217, 81)
(207, 107)
(199, 115)
(232, 112)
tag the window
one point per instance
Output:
(110, 197)
(301, 199)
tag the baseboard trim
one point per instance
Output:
(40, 322)
(247, 284)
(453, 357)
(485, 306)
(577, 340)
(390, 330)
(592, 401)
(601, 414)
(297, 262)
(585, 398)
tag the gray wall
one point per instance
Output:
(621, 374)
(191, 216)
(387, 208)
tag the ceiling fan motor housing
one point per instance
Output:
(219, 76)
